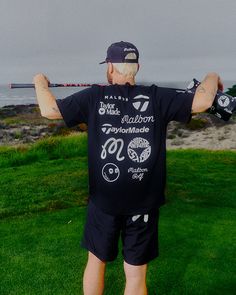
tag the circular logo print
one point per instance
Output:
(110, 172)
(223, 101)
(139, 150)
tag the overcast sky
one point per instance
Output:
(177, 39)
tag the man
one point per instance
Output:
(127, 160)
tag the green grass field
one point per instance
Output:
(43, 197)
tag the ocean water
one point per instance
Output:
(27, 96)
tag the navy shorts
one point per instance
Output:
(139, 235)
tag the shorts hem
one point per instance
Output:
(102, 258)
(142, 262)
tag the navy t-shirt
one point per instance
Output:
(126, 141)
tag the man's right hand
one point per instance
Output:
(41, 80)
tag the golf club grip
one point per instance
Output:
(15, 85)
(30, 85)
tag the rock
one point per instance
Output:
(26, 128)
(33, 132)
(43, 133)
(14, 110)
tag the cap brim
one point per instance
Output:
(103, 62)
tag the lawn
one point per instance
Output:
(43, 197)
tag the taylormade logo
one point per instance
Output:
(108, 109)
(108, 128)
(141, 102)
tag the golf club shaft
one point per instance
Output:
(31, 85)
(24, 85)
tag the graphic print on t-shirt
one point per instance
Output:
(108, 109)
(115, 97)
(127, 119)
(139, 149)
(126, 180)
(137, 173)
(108, 128)
(110, 172)
(141, 102)
(113, 146)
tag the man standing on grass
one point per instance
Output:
(127, 126)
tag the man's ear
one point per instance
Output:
(110, 68)
(138, 67)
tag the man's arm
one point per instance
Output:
(206, 92)
(46, 99)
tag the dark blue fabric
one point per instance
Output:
(139, 235)
(117, 52)
(126, 141)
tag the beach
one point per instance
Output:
(204, 132)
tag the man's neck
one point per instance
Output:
(123, 80)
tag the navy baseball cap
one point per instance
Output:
(117, 52)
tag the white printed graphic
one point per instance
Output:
(137, 173)
(129, 49)
(145, 218)
(110, 172)
(141, 102)
(113, 146)
(108, 128)
(136, 217)
(223, 101)
(109, 109)
(191, 84)
(137, 119)
(114, 97)
(139, 150)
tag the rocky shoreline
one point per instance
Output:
(23, 124)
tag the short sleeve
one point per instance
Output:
(176, 105)
(75, 108)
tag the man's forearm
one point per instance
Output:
(206, 92)
(209, 87)
(46, 99)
